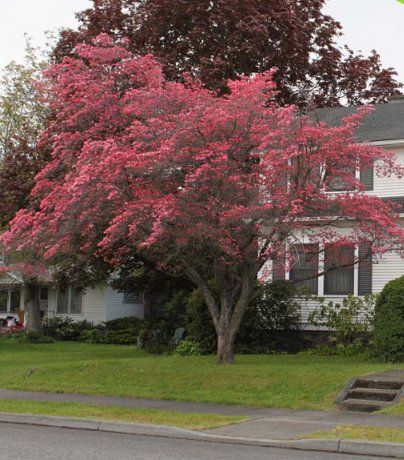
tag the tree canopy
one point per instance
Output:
(212, 187)
(216, 40)
(22, 118)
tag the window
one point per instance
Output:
(10, 299)
(3, 300)
(340, 279)
(69, 301)
(75, 301)
(130, 297)
(342, 183)
(15, 297)
(305, 269)
(43, 294)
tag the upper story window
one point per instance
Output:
(344, 184)
(69, 301)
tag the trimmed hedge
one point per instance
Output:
(389, 322)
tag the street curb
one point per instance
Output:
(381, 449)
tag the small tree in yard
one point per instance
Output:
(206, 186)
(22, 118)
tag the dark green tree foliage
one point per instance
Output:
(22, 118)
(215, 40)
(389, 322)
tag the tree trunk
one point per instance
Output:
(227, 314)
(225, 346)
(232, 311)
(149, 310)
(33, 309)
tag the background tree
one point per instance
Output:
(22, 118)
(207, 186)
(216, 40)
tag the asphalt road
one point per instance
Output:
(21, 442)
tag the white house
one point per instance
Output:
(384, 127)
(96, 304)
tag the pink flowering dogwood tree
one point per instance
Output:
(206, 186)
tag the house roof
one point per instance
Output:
(385, 123)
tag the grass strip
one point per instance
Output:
(361, 433)
(190, 421)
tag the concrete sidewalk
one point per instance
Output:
(278, 424)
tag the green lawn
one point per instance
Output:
(361, 433)
(122, 414)
(283, 381)
(398, 409)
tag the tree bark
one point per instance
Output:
(148, 305)
(225, 346)
(232, 312)
(235, 293)
(33, 309)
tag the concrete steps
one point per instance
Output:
(370, 394)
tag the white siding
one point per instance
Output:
(100, 304)
(94, 304)
(117, 308)
(390, 186)
(390, 267)
(93, 307)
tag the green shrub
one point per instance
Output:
(278, 307)
(271, 322)
(121, 331)
(353, 349)
(66, 328)
(92, 336)
(127, 323)
(198, 323)
(156, 337)
(349, 323)
(188, 348)
(389, 322)
(122, 337)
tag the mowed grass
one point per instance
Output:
(361, 433)
(281, 381)
(190, 421)
(397, 409)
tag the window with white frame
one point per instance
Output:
(69, 301)
(339, 278)
(304, 270)
(342, 275)
(3, 300)
(10, 299)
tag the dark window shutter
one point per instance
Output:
(367, 178)
(365, 270)
(279, 268)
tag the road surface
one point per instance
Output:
(22, 442)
